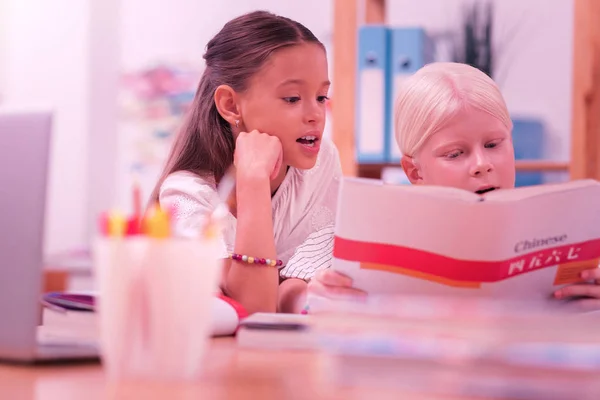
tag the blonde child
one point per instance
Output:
(454, 129)
(260, 105)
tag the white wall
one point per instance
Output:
(535, 63)
(152, 31)
(103, 63)
(44, 62)
(3, 43)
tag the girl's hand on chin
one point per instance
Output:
(257, 155)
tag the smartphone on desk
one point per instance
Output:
(275, 322)
(271, 331)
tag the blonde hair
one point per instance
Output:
(430, 97)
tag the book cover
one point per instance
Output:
(521, 243)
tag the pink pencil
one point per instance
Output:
(137, 199)
(103, 224)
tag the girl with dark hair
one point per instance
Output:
(260, 106)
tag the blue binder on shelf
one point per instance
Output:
(372, 96)
(529, 142)
(411, 49)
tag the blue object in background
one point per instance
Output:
(411, 49)
(528, 140)
(372, 96)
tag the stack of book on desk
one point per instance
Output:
(73, 316)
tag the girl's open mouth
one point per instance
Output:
(308, 140)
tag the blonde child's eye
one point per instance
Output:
(491, 145)
(453, 154)
(322, 99)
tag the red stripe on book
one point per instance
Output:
(239, 309)
(463, 270)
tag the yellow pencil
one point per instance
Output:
(157, 223)
(116, 224)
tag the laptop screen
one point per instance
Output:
(24, 155)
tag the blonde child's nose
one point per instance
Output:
(481, 165)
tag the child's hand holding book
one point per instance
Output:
(586, 294)
(332, 284)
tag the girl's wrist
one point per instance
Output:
(253, 194)
(253, 186)
(252, 176)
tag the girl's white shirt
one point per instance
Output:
(303, 207)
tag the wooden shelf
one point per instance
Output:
(542, 166)
(585, 133)
(374, 170)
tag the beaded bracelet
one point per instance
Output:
(255, 260)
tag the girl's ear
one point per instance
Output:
(411, 170)
(226, 102)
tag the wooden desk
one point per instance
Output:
(231, 373)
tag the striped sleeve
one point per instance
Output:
(314, 254)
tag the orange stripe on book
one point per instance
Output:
(571, 272)
(419, 275)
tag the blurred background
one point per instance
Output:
(119, 75)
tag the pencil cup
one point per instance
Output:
(155, 298)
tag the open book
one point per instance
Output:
(521, 243)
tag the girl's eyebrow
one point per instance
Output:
(293, 81)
